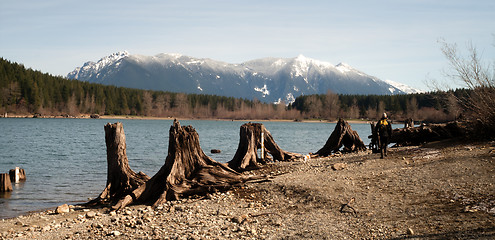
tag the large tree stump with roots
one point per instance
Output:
(187, 171)
(246, 156)
(342, 135)
(121, 179)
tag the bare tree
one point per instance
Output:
(332, 105)
(147, 103)
(412, 108)
(472, 73)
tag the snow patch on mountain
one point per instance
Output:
(264, 90)
(290, 98)
(402, 87)
(90, 68)
(302, 65)
(343, 67)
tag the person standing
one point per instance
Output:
(384, 131)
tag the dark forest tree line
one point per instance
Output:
(25, 91)
(437, 106)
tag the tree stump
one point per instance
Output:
(409, 123)
(121, 179)
(17, 175)
(5, 183)
(342, 135)
(374, 139)
(254, 136)
(187, 171)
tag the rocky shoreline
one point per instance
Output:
(442, 190)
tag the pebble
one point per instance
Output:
(339, 166)
(115, 233)
(64, 208)
(90, 214)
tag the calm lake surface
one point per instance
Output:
(65, 159)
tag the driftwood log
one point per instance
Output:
(187, 171)
(254, 136)
(342, 135)
(5, 183)
(414, 136)
(121, 179)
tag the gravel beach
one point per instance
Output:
(442, 190)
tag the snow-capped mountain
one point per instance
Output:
(90, 68)
(267, 79)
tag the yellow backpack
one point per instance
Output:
(384, 122)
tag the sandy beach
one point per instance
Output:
(442, 190)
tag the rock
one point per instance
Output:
(216, 151)
(112, 213)
(46, 229)
(339, 166)
(240, 219)
(179, 208)
(470, 209)
(90, 214)
(114, 233)
(64, 208)
(410, 231)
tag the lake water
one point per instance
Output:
(65, 159)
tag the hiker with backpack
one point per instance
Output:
(384, 131)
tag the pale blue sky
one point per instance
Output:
(395, 40)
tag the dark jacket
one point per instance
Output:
(384, 128)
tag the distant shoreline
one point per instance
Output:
(86, 116)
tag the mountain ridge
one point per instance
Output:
(267, 79)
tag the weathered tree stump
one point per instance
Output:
(5, 183)
(121, 179)
(409, 123)
(427, 133)
(187, 171)
(254, 136)
(17, 175)
(342, 135)
(375, 148)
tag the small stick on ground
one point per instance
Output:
(263, 214)
(348, 206)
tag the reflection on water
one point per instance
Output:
(6, 195)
